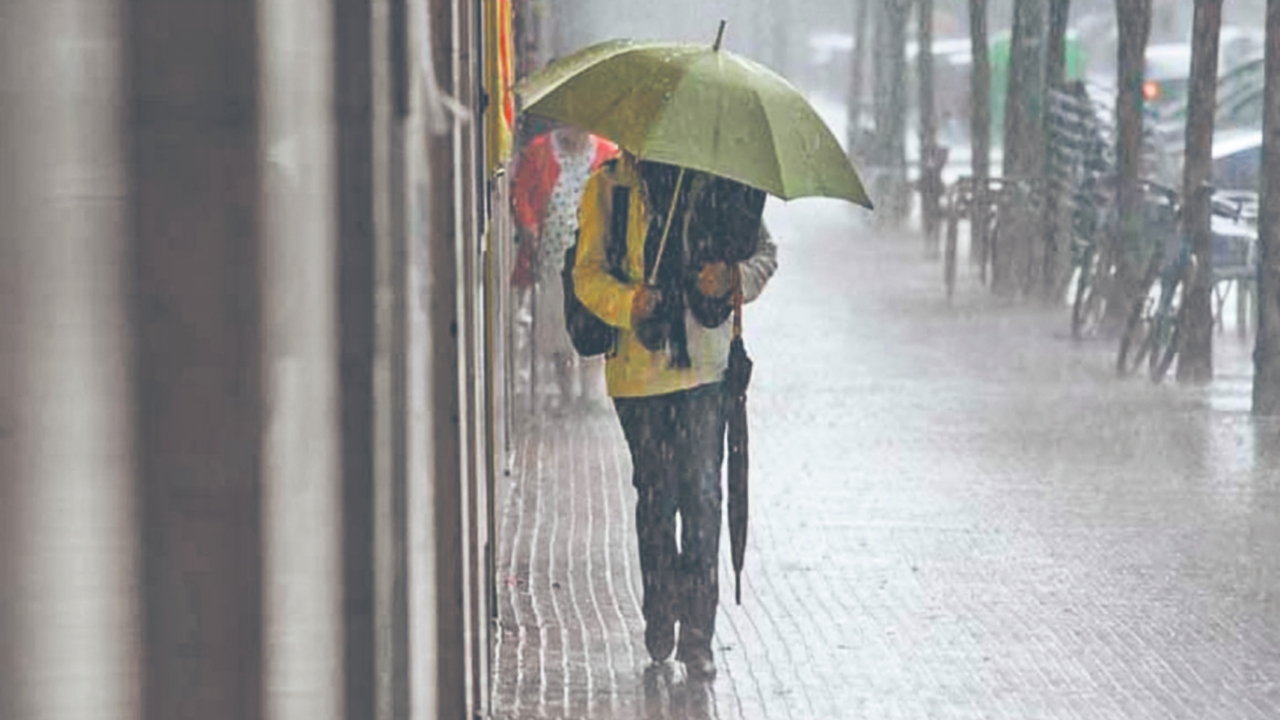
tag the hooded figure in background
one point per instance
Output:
(666, 374)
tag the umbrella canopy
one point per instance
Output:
(697, 107)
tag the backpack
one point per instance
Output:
(589, 334)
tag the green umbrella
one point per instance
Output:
(698, 107)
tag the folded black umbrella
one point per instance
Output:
(737, 377)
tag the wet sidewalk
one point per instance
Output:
(956, 512)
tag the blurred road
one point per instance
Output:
(956, 513)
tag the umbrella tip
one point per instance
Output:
(719, 35)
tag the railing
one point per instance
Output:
(968, 200)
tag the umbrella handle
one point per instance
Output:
(671, 213)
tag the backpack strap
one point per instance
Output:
(616, 248)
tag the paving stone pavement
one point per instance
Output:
(956, 512)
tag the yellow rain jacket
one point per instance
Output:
(632, 370)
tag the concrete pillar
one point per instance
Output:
(196, 246)
(356, 287)
(302, 492)
(442, 533)
(469, 187)
(68, 545)
(230, 364)
(388, 82)
(423, 562)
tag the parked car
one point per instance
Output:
(1237, 159)
(1166, 78)
(1238, 45)
(1240, 96)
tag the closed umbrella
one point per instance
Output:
(736, 379)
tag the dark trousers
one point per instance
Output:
(677, 447)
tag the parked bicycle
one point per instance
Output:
(1093, 224)
(1154, 329)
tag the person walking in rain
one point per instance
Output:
(549, 179)
(665, 374)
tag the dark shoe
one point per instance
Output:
(658, 679)
(660, 639)
(700, 665)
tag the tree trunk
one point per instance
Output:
(1055, 68)
(1195, 359)
(857, 74)
(930, 154)
(979, 128)
(1056, 223)
(892, 198)
(1134, 19)
(1015, 267)
(1266, 355)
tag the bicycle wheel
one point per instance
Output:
(1165, 350)
(1139, 330)
(1138, 339)
(1167, 335)
(1091, 299)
